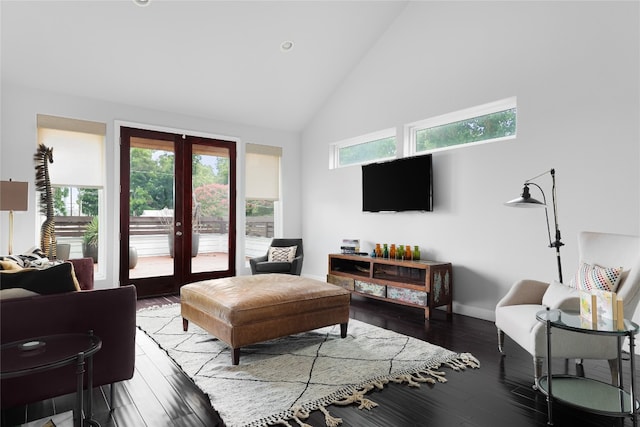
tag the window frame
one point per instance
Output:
(411, 129)
(334, 151)
(90, 128)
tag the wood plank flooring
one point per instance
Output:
(497, 394)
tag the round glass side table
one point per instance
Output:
(585, 393)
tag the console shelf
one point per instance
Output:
(424, 284)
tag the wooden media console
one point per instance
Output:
(423, 284)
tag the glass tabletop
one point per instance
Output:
(38, 354)
(571, 320)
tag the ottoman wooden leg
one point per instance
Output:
(343, 330)
(185, 324)
(235, 356)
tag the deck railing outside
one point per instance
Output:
(148, 234)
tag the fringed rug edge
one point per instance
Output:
(355, 394)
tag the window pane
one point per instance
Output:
(481, 128)
(367, 152)
(76, 221)
(262, 198)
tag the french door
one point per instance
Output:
(177, 210)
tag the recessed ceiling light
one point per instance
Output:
(142, 2)
(286, 45)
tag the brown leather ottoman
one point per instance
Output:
(245, 310)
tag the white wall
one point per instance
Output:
(574, 69)
(19, 109)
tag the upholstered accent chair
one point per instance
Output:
(283, 256)
(516, 311)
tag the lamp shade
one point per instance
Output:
(14, 196)
(525, 200)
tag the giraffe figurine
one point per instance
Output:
(43, 157)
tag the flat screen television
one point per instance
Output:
(398, 185)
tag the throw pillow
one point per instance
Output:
(593, 277)
(7, 264)
(284, 254)
(56, 279)
(34, 257)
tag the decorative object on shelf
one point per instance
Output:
(385, 251)
(400, 252)
(44, 156)
(378, 250)
(392, 251)
(526, 201)
(13, 197)
(416, 253)
(408, 253)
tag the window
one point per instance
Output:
(364, 149)
(491, 122)
(262, 198)
(77, 177)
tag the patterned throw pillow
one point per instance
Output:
(284, 254)
(593, 277)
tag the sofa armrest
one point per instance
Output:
(524, 292)
(83, 269)
(254, 261)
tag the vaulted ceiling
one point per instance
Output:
(214, 59)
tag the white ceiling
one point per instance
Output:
(212, 59)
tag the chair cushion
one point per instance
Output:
(273, 267)
(557, 294)
(281, 254)
(593, 277)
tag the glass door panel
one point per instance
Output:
(152, 206)
(210, 208)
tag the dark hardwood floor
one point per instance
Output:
(497, 394)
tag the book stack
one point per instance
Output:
(350, 246)
(601, 310)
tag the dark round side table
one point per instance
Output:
(34, 355)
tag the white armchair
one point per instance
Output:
(516, 312)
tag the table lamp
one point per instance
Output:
(526, 201)
(14, 196)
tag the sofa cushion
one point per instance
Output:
(282, 254)
(6, 294)
(55, 279)
(593, 277)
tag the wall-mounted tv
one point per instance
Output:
(404, 184)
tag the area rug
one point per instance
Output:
(285, 380)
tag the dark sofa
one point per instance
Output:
(110, 313)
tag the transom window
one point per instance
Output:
(364, 149)
(491, 122)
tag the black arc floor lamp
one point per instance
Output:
(526, 201)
